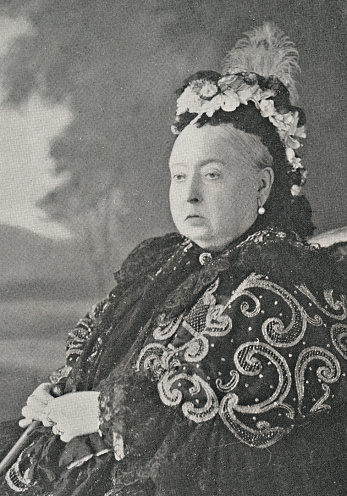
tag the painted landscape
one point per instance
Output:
(45, 287)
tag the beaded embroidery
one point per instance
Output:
(327, 374)
(18, 481)
(338, 335)
(263, 436)
(255, 393)
(328, 296)
(205, 319)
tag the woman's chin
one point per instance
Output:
(197, 233)
(204, 240)
(207, 241)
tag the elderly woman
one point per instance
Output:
(217, 365)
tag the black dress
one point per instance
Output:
(219, 375)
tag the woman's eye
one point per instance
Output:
(178, 177)
(212, 175)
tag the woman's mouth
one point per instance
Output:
(195, 219)
(194, 216)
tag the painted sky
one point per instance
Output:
(25, 165)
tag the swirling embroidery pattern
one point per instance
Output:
(166, 329)
(231, 384)
(273, 329)
(171, 395)
(199, 402)
(77, 338)
(338, 335)
(206, 317)
(262, 437)
(153, 357)
(328, 296)
(247, 364)
(327, 374)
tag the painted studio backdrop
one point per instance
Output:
(88, 97)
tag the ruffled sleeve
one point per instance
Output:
(76, 341)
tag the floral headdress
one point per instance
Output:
(260, 69)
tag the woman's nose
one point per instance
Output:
(194, 193)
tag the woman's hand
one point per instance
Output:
(74, 414)
(36, 405)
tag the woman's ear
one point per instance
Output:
(265, 181)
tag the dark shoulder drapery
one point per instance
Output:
(221, 378)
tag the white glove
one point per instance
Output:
(36, 405)
(74, 414)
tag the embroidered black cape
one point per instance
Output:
(219, 375)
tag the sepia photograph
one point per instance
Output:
(173, 248)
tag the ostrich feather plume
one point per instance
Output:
(266, 51)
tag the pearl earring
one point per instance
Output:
(261, 210)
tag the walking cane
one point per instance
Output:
(17, 448)
(15, 451)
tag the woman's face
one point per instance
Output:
(213, 193)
